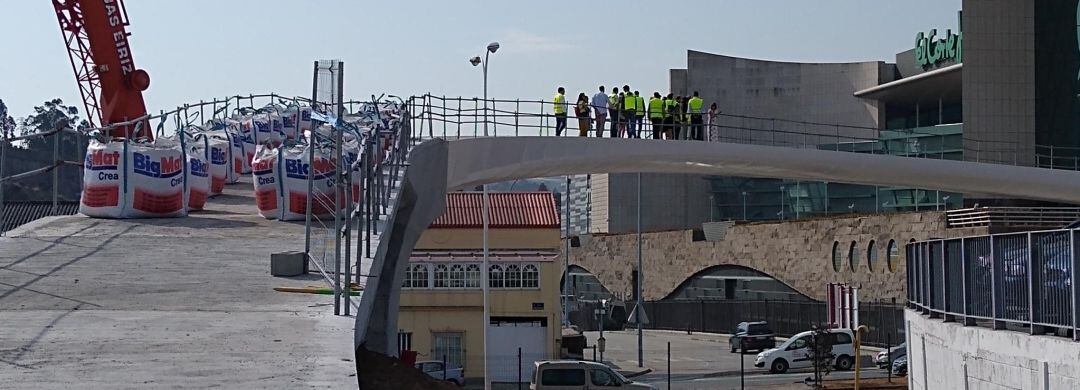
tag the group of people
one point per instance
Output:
(670, 117)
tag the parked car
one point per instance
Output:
(579, 375)
(752, 336)
(435, 369)
(884, 358)
(899, 367)
(795, 352)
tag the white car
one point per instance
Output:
(435, 369)
(580, 375)
(794, 353)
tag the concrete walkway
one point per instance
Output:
(154, 303)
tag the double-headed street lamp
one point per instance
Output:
(491, 48)
(484, 273)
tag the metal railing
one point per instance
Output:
(1015, 217)
(463, 117)
(1017, 280)
(786, 318)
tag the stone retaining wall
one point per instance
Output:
(798, 253)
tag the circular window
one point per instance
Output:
(892, 255)
(837, 260)
(871, 256)
(853, 257)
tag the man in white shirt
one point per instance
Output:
(600, 107)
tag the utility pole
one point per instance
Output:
(640, 278)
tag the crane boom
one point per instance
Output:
(109, 83)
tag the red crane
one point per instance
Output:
(110, 84)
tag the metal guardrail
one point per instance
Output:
(1019, 217)
(1019, 280)
(457, 117)
(785, 318)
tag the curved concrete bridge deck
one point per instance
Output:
(185, 302)
(437, 166)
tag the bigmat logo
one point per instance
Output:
(164, 168)
(218, 156)
(102, 160)
(198, 168)
(262, 167)
(296, 169)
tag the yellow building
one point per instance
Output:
(442, 302)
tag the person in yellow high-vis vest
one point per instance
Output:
(638, 112)
(694, 106)
(656, 114)
(560, 111)
(669, 116)
(629, 111)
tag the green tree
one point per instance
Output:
(7, 124)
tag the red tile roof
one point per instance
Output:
(508, 210)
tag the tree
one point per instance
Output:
(50, 116)
(7, 124)
(819, 351)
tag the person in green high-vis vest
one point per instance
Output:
(656, 115)
(694, 106)
(638, 112)
(560, 111)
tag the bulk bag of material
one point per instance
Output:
(198, 174)
(154, 181)
(265, 177)
(219, 164)
(288, 123)
(268, 128)
(294, 178)
(245, 136)
(102, 193)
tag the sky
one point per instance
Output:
(201, 49)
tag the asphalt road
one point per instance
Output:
(698, 361)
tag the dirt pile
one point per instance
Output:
(379, 372)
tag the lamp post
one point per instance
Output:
(484, 273)
(783, 194)
(744, 205)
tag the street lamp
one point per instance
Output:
(491, 48)
(744, 205)
(475, 61)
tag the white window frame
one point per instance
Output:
(435, 275)
(472, 275)
(457, 276)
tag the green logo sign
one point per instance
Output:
(932, 51)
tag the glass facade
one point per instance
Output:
(739, 198)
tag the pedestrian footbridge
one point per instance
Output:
(439, 165)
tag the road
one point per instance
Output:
(698, 361)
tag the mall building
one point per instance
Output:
(1000, 86)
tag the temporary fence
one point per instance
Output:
(786, 318)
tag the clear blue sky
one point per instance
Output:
(199, 49)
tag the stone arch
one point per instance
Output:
(739, 270)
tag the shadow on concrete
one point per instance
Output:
(22, 350)
(232, 200)
(96, 249)
(197, 221)
(51, 245)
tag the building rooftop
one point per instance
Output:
(138, 303)
(494, 255)
(508, 210)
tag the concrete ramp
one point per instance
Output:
(185, 302)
